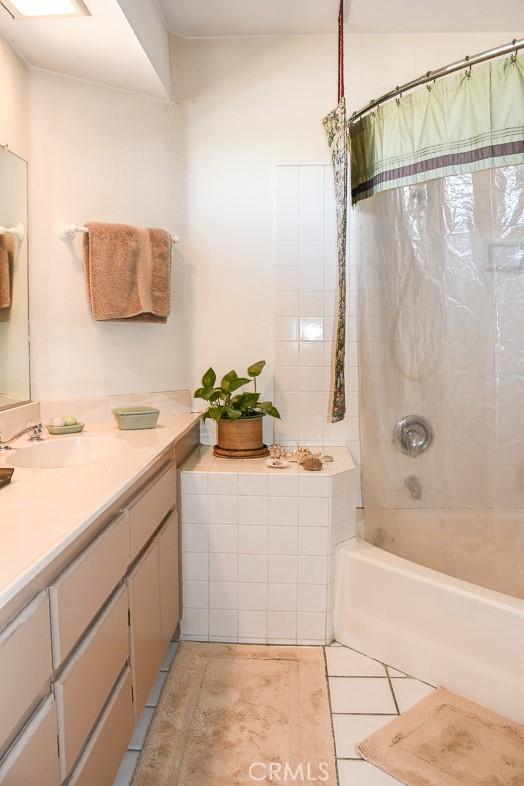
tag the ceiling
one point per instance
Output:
(102, 47)
(201, 18)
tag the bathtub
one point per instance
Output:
(435, 627)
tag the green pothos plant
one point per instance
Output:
(225, 404)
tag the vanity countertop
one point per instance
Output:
(43, 511)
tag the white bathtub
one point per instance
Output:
(440, 629)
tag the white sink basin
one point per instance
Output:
(67, 452)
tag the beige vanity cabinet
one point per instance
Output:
(101, 759)
(146, 646)
(25, 665)
(82, 689)
(148, 511)
(33, 759)
(169, 579)
(82, 589)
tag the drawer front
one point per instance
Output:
(78, 594)
(145, 635)
(84, 687)
(25, 665)
(33, 759)
(169, 583)
(108, 743)
(150, 509)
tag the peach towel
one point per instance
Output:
(6, 258)
(128, 272)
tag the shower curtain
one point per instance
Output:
(439, 178)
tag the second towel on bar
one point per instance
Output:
(7, 247)
(128, 272)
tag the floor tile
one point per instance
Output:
(366, 695)
(156, 690)
(352, 729)
(395, 672)
(345, 662)
(362, 773)
(127, 768)
(169, 656)
(141, 729)
(409, 691)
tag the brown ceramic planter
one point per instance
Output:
(240, 438)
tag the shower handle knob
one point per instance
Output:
(413, 434)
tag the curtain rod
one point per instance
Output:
(430, 76)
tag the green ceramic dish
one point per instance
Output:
(56, 430)
(129, 418)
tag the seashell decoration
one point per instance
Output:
(299, 456)
(313, 464)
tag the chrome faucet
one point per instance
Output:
(34, 429)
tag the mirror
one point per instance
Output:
(14, 283)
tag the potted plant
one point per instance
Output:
(238, 415)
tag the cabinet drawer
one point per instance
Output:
(145, 635)
(150, 509)
(101, 759)
(25, 665)
(84, 687)
(169, 585)
(33, 759)
(78, 594)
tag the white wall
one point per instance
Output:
(14, 92)
(98, 153)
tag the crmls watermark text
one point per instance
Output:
(284, 772)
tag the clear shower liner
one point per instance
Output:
(441, 335)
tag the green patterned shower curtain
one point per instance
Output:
(335, 125)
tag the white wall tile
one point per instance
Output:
(311, 202)
(252, 510)
(287, 278)
(223, 567)
(314, 541)
(283, 540)
(286, 328)
(223, 538)
(195, 508)
(312, 570)
(287, 228)
(283, 569)
(311, 328)
(282, 597)
(287, 202)
(283, 511)
(196, 567)
(252, 596)
(282, 625)
(252, 540)
(252, 484)
(252, 568)
(311, 304)
(286, 303)
(310, 278)
(287, 379)
(313, 512)
(311, 176)
(193, 482)
(310, 353)
(195, 538)
(286, 353)
(252, 624)
(195, 622)
(283, 484)
(222, 509)
(287, 252)
(223, 482)
(223, 595)
(311, 625)
(311, 253)
(312, 597)
(287, 177)
(223, 623)
(196, 594)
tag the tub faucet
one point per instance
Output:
(412, 483)
(34, 429)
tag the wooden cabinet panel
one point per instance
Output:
(81, 591)
(150, 509)
(33, 759)
(84, 687)
(101, 759)
(145, 633)
(169, 584)
(25, 665)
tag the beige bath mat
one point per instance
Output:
(241, 715)
(445, 740)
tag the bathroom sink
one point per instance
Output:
(69, 452)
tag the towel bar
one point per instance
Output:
(18, 231)
(68, 231)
